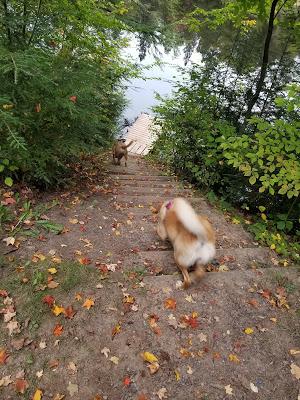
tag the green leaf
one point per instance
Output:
(262, 208)
(8, 181)
(252, 180)
(1, 167)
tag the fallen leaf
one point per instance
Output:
(202, 337)
(52, 270)
(294, 352)
(72, 388)
(190, 299)
(9, 241)
(58, 330)
(153, 367)
(52, 285)
(40, 373)
(162, 393)
(228, 389)
(116, 330)
(3, 293)
(17, 344)
(177, 375)
(42, 344)
(170, 304)
(88, 303)
(149, 357)
(57, 310)
(295, 370)
(233, 358)
(69, 312)
(6, 380)
(72, 367)
(189, 370)
(59, 396)
(38, 257)
(84, 261)
(78, 297)
(223, 268)
(73, 221)
(248, 331)
(37, 395)
(273, 320)
(50, 300)
(253, 303)
(127, 381)
(3, 356)
(105, 351)
(253, 387)
(21, 385)
(13, 327)
(53, 364)
(114, 360)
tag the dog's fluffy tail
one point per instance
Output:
(125, 146)
(188, 217)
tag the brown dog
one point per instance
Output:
(119, 151)
(191, 235)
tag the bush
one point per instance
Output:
(60, 92)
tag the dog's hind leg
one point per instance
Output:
(199, 271)
(125, 156)
(186, 277)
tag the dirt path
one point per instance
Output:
(119, 295)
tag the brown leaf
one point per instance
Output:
(3, 356)
(253, 303)
(52, 285)
(53, 364)
(21, 385)
(69, 312)
(18, 343)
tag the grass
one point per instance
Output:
(26, 283)
(285, 282)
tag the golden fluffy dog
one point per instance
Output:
(191, 235)
(119, 151)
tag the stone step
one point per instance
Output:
(143, 177)
(158, 184)
(146, 200)
(162, 262)
(149, 190)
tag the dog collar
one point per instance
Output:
(169, 204)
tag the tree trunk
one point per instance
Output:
(265, 61)
(6, 18)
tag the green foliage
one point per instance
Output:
(61, 78)
(270, 157)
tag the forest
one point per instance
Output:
(231, 126)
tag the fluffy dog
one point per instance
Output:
(119, 151)
(191, 235)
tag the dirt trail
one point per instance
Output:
(229, 337)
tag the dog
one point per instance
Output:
(191, 235)
(119, 151)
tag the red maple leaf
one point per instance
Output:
(127, 381)
(73, 99)
(50, 300)
(58, 330)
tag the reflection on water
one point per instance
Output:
(158, 78)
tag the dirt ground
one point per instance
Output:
(97, 312)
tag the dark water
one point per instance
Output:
(241, 53)
(157, 78)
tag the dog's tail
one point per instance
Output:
(188, 217)
(125, 146)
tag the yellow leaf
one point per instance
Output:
(263, 216)
(52, 270)
(149, 357)
(177, 375)
(88, 303)
(73, 221)
(295, 370)
(235, 221)
(58, 310)
(273, 247)
(37, 395)
(273, 320)
(294, 352)
(248, 331)
(56, 260)
(233, 358)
